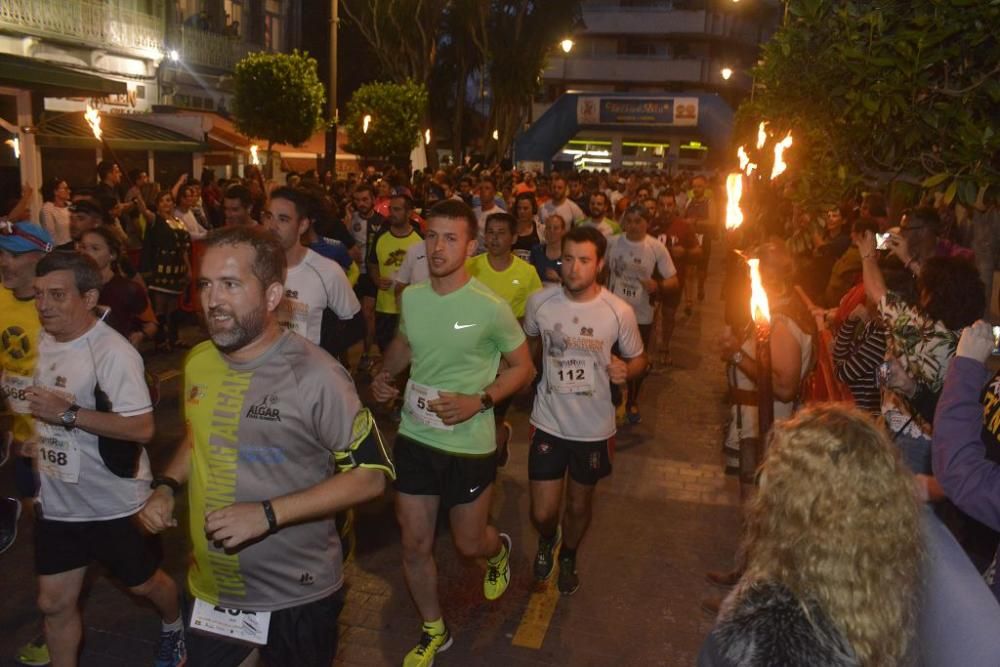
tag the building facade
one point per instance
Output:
(662, 56)
(160, 71)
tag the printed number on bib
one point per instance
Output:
(15, 392)
(570, 375)
(246, 626)
(417, 398)
(630, 290)
(58, 453)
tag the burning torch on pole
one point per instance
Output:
(93, 118)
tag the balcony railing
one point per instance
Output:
(210, 49)
(92, 22)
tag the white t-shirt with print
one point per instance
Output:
(312, 285)
(76, 482)
(573, 400)
(630, 262)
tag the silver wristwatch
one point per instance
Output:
(68, 418)
(736, 358)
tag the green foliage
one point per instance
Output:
(883, 90)
(278, 97)
(397, 111)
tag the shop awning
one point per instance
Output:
(126, 133)
(54, 80)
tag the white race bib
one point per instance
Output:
(570, 374)
(417, 398)
(14, 388)
(247, 626)
(630, 289)
(58, 452)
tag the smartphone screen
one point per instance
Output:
(880, 240)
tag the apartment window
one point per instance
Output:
(234, 16)
(272, 25)
(638, 47)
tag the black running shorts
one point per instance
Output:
(304, 636)
(426, 471)
(117, 544)
(365, 287)
(550, 457)
(385, 329)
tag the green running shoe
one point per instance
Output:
(35, 653)
(430, 645)
(498, 571)
(545, 558)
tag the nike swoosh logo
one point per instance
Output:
(473, 489)
(463, 326)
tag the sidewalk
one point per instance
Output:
(665, 516)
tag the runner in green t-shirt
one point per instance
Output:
(513, 280)
(453, 332)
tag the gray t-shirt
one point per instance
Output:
(260, 430)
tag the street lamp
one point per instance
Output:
(726, 73)
(173, 55)
(567, 45)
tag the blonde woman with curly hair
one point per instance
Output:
(833, 552)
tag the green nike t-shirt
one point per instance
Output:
(456, 340)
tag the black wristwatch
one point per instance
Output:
(486, 400)
(165, 481)
(68, 418)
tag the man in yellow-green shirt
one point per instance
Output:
(513, 280)
(386, 254)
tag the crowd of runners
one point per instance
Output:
(472, 289)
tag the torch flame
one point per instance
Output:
(93, 118)
(365, 122)
(734, 192)
(745, 164)
(15, 143)
(779, 156)
(758, 297)
(254, 158)
(761, 134)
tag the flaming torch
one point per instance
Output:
(761, 314)
(93, 118)
(734, 192)
(761, 134)
(15, 143)
(745, 164)
(779, 156)
(254, 157)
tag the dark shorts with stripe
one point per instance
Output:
(588, 461)
(426, 471)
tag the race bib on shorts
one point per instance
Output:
(417, 398)
(245, 626)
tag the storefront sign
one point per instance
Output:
(672, 111)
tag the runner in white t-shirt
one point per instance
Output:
(573, 329)
(640, 270)
(313, 283)
(92, 417)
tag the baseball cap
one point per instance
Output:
(87, 206)
(21, 237)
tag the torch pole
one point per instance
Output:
(765, 392)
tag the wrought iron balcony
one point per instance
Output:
(211, 49)
(90, 22)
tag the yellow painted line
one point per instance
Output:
(537, 616)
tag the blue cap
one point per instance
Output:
(22, 237)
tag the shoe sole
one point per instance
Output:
(444, 647)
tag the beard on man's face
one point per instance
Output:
(243, 329)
